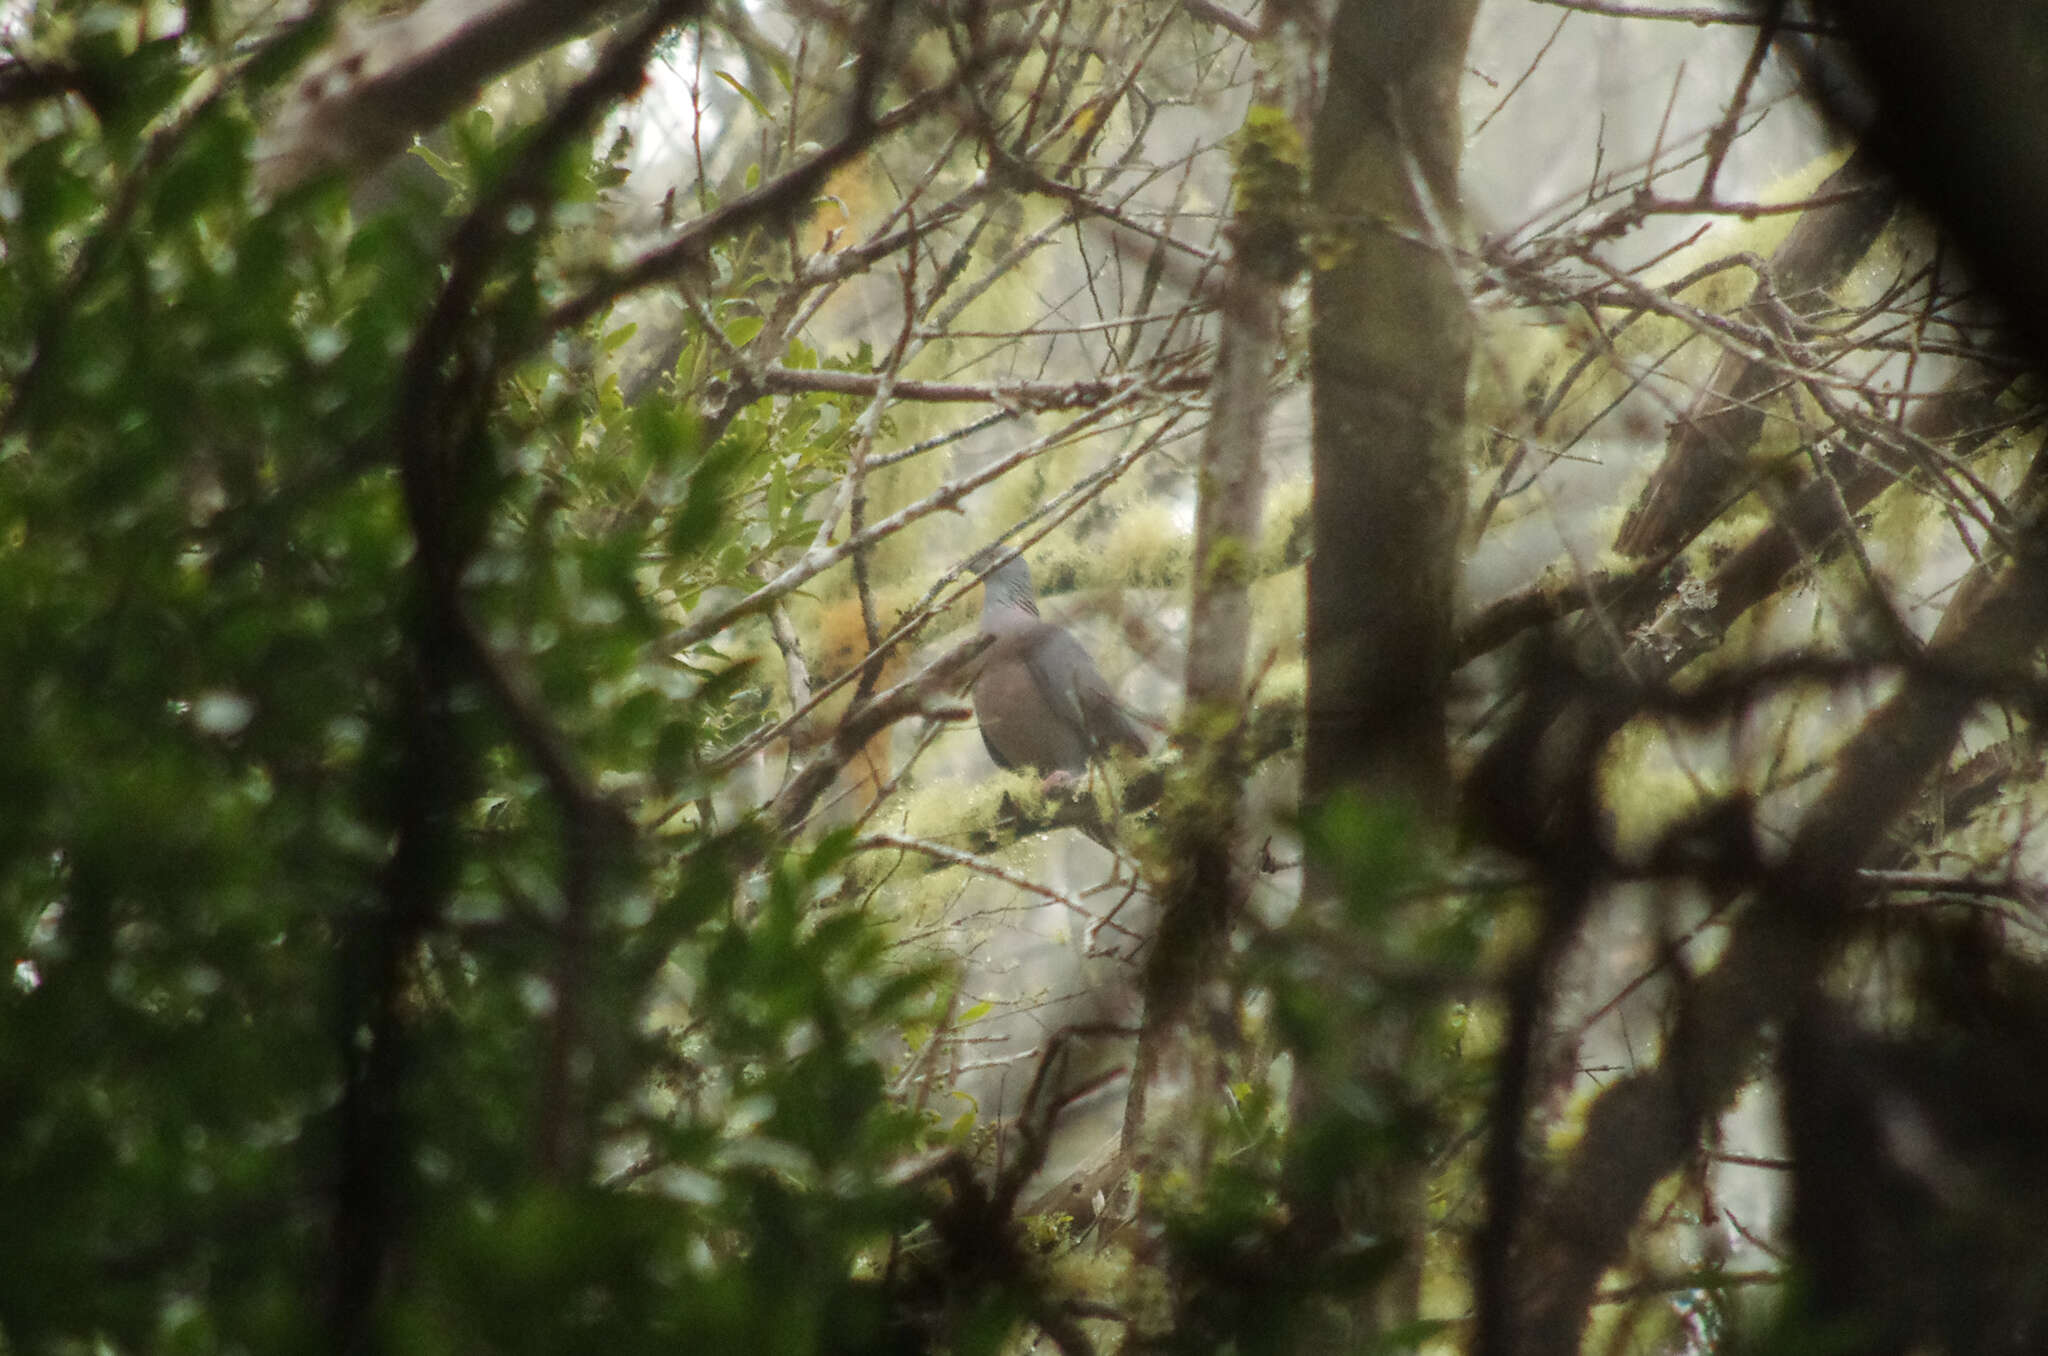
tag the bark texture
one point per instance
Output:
(1390, 349)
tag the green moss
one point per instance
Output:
(1230, 563)
(1284, 531)
(1269, 193)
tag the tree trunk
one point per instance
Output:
(1390, 346)
(1205, 882)
(1391, 342)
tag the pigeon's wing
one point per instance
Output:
(1110, 724)
(1078, 694)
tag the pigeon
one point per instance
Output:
(1041, 701)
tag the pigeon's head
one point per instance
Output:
(1008, 583)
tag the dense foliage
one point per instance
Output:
(310, 991)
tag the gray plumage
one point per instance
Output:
(1040, 699)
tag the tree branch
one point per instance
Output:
(405, 73)
(1641, 1129)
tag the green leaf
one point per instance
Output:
(142, 82)
(209, 169)
(53, 194)
(668, 434)
(282, 55)
(742, 330)
(760, 108)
